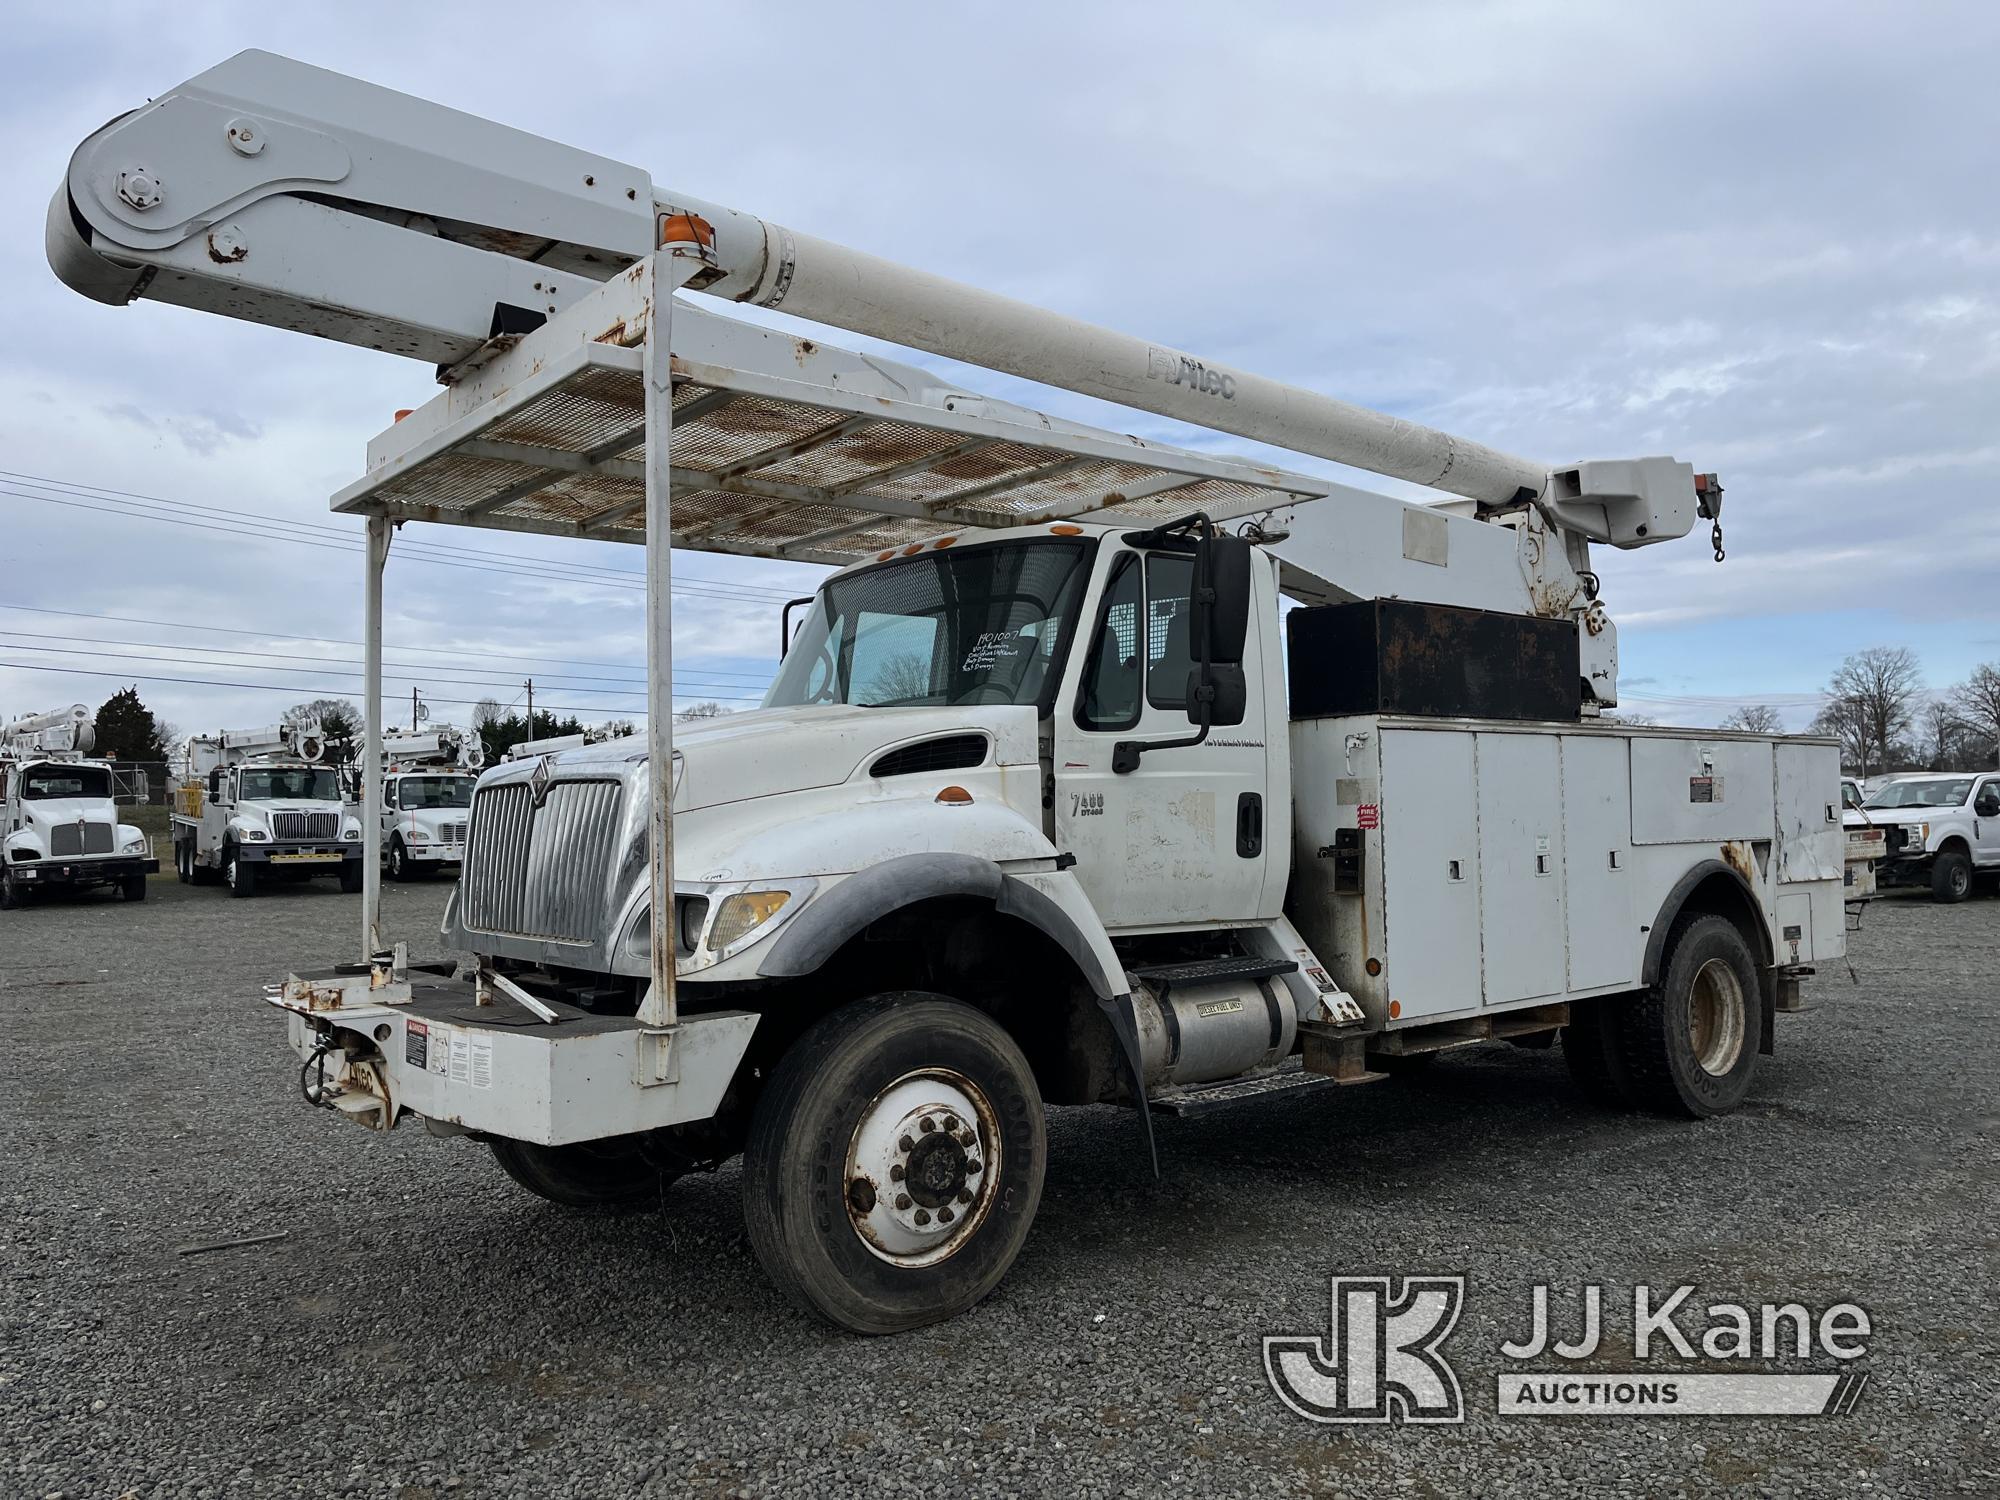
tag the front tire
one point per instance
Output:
(614, 1173)
(399, 862)
(133, 888)
(11, 894)
(238, 874)
(184, 862)
(1951, 877)
(350, 877)
(1691, 1040)
(894, 1163)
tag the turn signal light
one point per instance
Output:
(955, 796)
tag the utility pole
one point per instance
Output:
(413, 710)
(530, 686)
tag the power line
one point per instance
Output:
(279, 635)
(632, 692)
(273, 687)
(441, 552)
(699, 678)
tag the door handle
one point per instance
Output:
(1249, 825)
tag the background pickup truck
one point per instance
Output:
(1940, 829)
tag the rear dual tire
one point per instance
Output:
(1688, 1044)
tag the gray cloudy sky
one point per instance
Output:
(1761, 237)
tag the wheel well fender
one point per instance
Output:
(1712, 886)
(864, 898)
(1955, 843)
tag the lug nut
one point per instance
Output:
(902, 1200)
(972, 1166)
(927, 1124)
(896, 1172)
(968, 1140)
(924, 1215)
(965, 1195)
(944, 1216)
(907, 1144)
(951, 1124)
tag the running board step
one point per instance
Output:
(1207, 1097)
(1164, 977)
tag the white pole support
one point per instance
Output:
(380, 529)
(686, 249)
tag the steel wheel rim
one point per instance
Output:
(1716, 1018)
(917, 1196)
(1961, 878)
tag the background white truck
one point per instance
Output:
(427, 798)
(59, 827)
(1040, 808)
(251, 806)
(1940, 829)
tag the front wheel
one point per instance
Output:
(399, 862)
(1951, 877)
(1691, 1040)
(133, 887)
(184, 862)
(350, 877)
(238, 874)
(10, 891)
(615, 1173)
(895, 1163)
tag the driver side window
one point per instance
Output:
(1986, 801)
(1112, 682)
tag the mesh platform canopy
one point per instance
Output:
(773, 467)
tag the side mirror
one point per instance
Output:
(1217, 691)
(1988, 804)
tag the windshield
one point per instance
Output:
(419, 792)
(39, 783)
(1922, 793)
(986, 625)
(289, 784)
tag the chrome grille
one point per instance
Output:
(319, 825)
(80, 838)
(452, 833)
(540, 872)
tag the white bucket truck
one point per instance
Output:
(252, 806)
(1038, 810)
(427, 798)
(60, 820)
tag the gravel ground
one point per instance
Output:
(428, 1329)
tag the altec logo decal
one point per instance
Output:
(1178, 369)
(1383, 1360)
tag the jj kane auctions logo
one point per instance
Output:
(1382, 1358)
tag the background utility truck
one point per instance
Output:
(427, 797)
(60, 824)
(254, 805)
(1049, 803)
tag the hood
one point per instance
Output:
(769, 751)
(52, 812)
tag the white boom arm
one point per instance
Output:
(305, 742)
(282, 193)
(438, 745)
(62, 731)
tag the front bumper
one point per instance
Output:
(76, 871)
(327, 856)
(423, 1043)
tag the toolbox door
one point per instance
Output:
(1430, 872)
(1520, 867)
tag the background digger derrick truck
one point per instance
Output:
(1039, 809)
(59, 827)
(256, 805)
(427, 798)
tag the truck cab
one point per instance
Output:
(1942, 829)
(62, 831)
(424, 813)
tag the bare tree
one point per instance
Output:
(1880, 689)
(1977, 701)
(486, 711)
(905, 675)
(1621, 717)
(1755, 718)
(704, 710)
(1841, 720)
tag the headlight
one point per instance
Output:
(418, 836)
(353, 833)
(256, 836)
(740, 915)
(135, 846)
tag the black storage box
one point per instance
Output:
(1397, 656)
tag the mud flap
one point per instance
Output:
(1118, 1010)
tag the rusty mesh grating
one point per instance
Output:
(858, 473)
